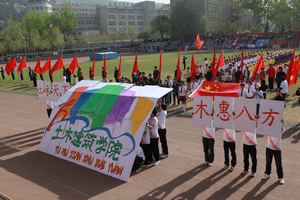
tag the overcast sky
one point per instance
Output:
(157, 1)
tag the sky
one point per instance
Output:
(157, 1)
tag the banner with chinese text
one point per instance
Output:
(270, 118)
(239, 114)
(99, 125)
(51, 91)
(202, 109)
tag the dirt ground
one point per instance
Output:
(26, 173)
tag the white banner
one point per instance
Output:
(99, 125)
(270, 118)
(245, 111)
(51, 91)
(223, 112)
(202, 110)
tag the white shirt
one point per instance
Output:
(242, 93)
(258, 96)
(229, 135)
(284, 87)
(162, 116)
(274, 143)
(249, 138)
(208, 132)
(154, 130)
(146, 136)
(250, 91)
(182, 90)
(49, 104)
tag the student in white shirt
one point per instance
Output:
(145, 144)
(274, 149)
(162, 131)
(250, 89)
(154, 136)
(229, 144)
(249, 148)
(242, 91)
(182, 93)
(49, 107)
(208, 140)
(284, 87)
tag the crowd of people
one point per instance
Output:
(277, 66)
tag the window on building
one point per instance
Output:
(111, 16)
(112, 23)
(131, 16)
(122, 23)
(140, 23)
(140, 17)
(121, 17)
(131, 23)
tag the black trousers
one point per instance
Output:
(250, 150)
(208, 147)
(229, 146)
(138, 162)
(163, 140)
(278, 84)
(147, 152)
(269, 156)
(271, 83)
(175, 98)
(154, 148)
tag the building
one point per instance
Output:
(40, 5)
(123, 16)
(214, 10)
(104, 16)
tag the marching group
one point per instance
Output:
(231, 72)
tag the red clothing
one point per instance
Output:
(271, 72)
(262, 75)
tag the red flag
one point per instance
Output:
(242, 62)
(93, 67)
(178, 74)
(213, 63)
(37, 68)
(135, 68)
(258, 66)
(46, 66)
(208, 88)
(160, 64)
(120, 67)
(294, 75)
(73, 65)
(10, 65)
(104, 65)
(193, 67)
(199, 42)
(220, 64)
(22, 64)
(291, 66)
(58, 65)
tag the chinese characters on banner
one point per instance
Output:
(51, 91)
(202, 111)
(270, 118)
(100, 125)
(239, 114)
(223, 109)
(245, 111)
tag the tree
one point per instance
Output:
(281, 15)
(257, 9)
(67, 21)
(145, 35)
(162, 25)
(56, 38)
(180, 24)
(14, 37)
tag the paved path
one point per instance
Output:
(26, 173)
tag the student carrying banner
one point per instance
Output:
(249, 148)
(229, 144)
(208, 140)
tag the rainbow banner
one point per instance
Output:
(100, 125)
